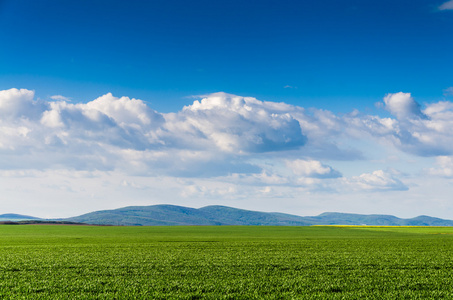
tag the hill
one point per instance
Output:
(16, 217)
(222, 215)
(179, 215)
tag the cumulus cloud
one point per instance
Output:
(447, 5)
(377, 181)
(208, 137)
(237, 124)
(312, 168)
(218, 135)
(50, 134)
(423, 132)
(315, 177)
(402, 105)
(126, 112)
(18, 104)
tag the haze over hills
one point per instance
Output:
(223, 215)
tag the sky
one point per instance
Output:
(300, 107)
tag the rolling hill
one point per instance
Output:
(179, 215)
(160, 215)
(222, 215)
(16, 217)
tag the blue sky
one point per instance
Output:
(330, 52)
(324, 104)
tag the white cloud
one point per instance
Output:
(214, 136)
(126, 112)
(218, 132)
(445, 167)
(18, 104)
(402, 105)
(447, 5)
(312, 168)
(218, 135)
(109, 132)
(377, 181)
(60, 98)
(235, 124)
(423, 132)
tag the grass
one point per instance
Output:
(231, 262)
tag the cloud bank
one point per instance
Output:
(240, 139)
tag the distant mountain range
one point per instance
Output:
(16, 217)
(223, 215)
(158, 215)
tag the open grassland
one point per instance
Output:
(92, 262)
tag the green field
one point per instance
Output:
(225, 262)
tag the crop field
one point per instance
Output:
(225, 262)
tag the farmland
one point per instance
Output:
(225, 262)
